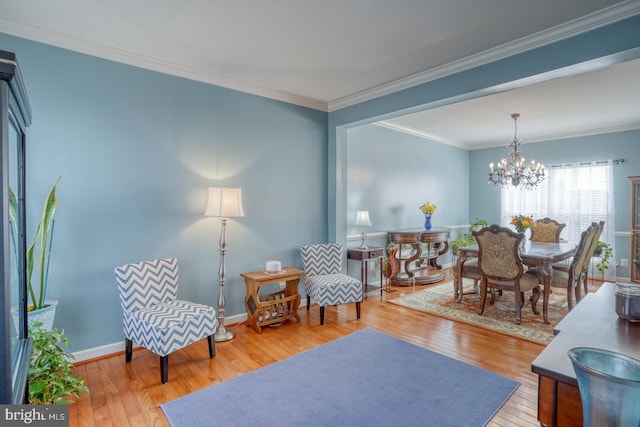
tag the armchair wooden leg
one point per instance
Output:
(358, 304)
(308, 302)
(534, 300)
(322, 315)
(483, 297)
(212, 347)
(164, 369)
(128, 350)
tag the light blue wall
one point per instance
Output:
(136, 151)
(484, 199)
(391, 174)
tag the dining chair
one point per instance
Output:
(154, 318)
(324, 281)
(571, 278)
(471, 271)
(587, 259)
(501, 267)
(546, 230)
(565, 266)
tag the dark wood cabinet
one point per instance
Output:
(635, 229)
(15, 117)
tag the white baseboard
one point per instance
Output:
(109, 349)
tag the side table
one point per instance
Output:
(364, 256)
(275, 307)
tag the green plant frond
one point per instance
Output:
(50, 205)
(13, 210)
(44, 232)
(29, 272)
(605, 256)
(51, 378)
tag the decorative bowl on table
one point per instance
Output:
(628, 302)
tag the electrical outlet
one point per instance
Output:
(624, 262)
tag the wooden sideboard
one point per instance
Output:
(419, 264)
(592, 323)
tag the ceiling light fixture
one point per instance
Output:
(512, 171)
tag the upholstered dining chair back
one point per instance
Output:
(324, 282)
(581, 256)
(547, 230)
(154, 318)
(586, 262)
(498, 256)
(501, 267)
(569, 277)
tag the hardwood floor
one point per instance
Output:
(128, 394)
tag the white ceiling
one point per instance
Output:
(333, 53)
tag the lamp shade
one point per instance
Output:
(362, 219)
(224, 202)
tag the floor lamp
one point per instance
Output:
(223, 203)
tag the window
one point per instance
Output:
(576, 194)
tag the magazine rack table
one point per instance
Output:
(275, 307)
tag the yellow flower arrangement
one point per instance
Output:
(522, 222)
(428, 208)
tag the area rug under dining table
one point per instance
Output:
(366, 378)
(500, 317)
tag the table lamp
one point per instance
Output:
(362, 220)
(223, 203)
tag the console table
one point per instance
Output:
(593, 322)
(276, 307)
(364, 256)
(418, 265)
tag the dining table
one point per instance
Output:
(534, 254)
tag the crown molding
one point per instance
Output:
(563, 31)
(419, 134)
(481, 146)
(598, 19)
(150, 63)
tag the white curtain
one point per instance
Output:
(576, 194)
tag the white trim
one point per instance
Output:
(563, 31)
(424, 135)
(150, 63)
(549, 137)
(587, 23)
(110, 349)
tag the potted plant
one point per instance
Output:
(51, 378)
(39, 308)
(477, 225)
(461, 241)
(604, 251)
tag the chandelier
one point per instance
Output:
(512, 171)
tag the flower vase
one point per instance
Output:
(524, 239)
(427, 222)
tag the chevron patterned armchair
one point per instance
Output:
(154, 318)
(324, 281)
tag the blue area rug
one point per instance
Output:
(364, 379)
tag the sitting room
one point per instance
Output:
(137, 119)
